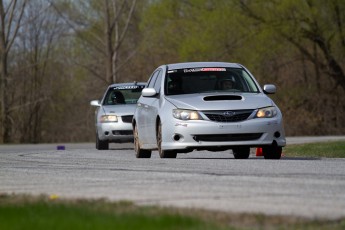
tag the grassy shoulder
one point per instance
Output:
(331, 149)
(27, 212)
(43, 212)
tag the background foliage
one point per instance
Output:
(66, 52)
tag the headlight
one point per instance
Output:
(108, 118)
(267, 112)
(186, 114)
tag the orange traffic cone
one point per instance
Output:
(259, 152)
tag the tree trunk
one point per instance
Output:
(4, 120)
(4, 106)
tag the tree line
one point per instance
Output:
(57, 55)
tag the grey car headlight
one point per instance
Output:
(267, 112)
(182, 114)
(108, 118)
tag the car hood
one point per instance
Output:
(220, 101)
(127, 109)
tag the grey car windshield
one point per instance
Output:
(203, 80)
(123, 95)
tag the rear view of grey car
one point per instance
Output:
(211, 106)
(114, 113)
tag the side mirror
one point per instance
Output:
(270, 89)
(95, 103)
(148, 92)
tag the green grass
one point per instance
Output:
(44, 213)
(332, 149)
(29, 212)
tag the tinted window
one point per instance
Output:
(201, 80)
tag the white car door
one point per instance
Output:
(153, 107)
(146, 114)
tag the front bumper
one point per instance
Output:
(203, 134)
(115, 132)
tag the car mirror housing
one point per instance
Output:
(270, 89)
(95, 103)
(148, 92)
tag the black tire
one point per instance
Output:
(139, 152)
(163, 153)
(101, 145)
(272, 152)
(241, 152)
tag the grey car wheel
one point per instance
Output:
(272, 152)
(101, 145)
(163, 153)
(139, 153)
(241, 152)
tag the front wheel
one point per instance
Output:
(101, 145)
(139, 153)
(272, 152)
(241, 152)
(163, 153)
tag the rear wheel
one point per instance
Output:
(163, 153)
(272, 152)
(139, 153)
(241, 152)
(101, 145)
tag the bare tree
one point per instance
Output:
(11, 13)
(115, 32)
(35, 54)
(102, 26)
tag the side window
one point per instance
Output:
(153, 79)
(107, 98)
(157, 84)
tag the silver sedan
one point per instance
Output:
(114, 113)
(211, 106)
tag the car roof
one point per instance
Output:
(186, 65)
(128, 84)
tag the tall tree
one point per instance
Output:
(33, 61)
(116, 26)
(11, 13)
(102, 27)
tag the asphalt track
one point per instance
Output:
(302, 187)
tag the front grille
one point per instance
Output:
(228, 115)
(227, 137)
(127, 119)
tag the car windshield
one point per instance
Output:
(202, 80)
(124, 94)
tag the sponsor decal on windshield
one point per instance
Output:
(129, 87)
(213, 69)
